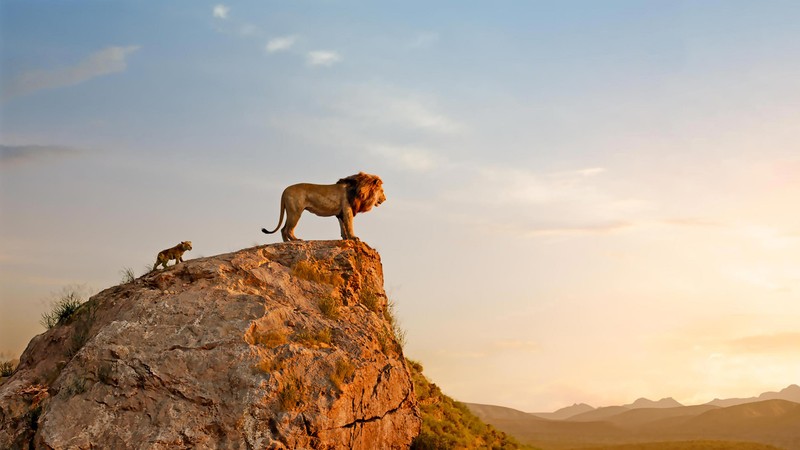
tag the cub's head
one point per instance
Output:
(186, 245)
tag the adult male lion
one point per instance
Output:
(348, 197)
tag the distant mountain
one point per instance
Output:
(763, 420)
(791, 393)
(668, 402)
(598, 414)
(567, 412)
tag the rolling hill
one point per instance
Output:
(754, 424)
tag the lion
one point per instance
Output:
(348, 197)
(176, 253)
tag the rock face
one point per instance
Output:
(280, 346)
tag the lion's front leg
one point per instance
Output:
(342, 229)
(346, 223)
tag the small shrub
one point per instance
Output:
(370, 300)
(6, 368)
(329, 307)
(310, 270)
(78, 386)
(270, 339)
(104, 373)
(390, 315)
(80, 332)
(63, 308)
(291, 394)
(343, 370)
(127, 275)
(315, 338)
(267, 366)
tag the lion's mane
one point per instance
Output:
(363, 191)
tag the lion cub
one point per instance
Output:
(176, 253)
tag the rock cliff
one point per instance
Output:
(280, 346)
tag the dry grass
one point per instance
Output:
(267, 366)
(329, 307)
(370, 300)
(343, 370)
(269, 339)
(291, 394)
(311, 270)
(390, 315)
(315, 338)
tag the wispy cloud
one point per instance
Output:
(415, 159)
(423, 39)
(280, 43)
(104, 62)
(573, 230)
(221, 11)
(20, 154)
(322, 58)
(788, 342)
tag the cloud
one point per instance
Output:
(413, 158)
(788, 342)
(221, 11)
(322, 58)
(280, 43)
(423, 39)
(21, 154)
(693, 222)
(104, 62)
(388, 109)
(580, 230)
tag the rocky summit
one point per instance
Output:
(280, 346)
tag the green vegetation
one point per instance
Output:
(104, 373)
(76, 387)
(391, 317)
(448, 424)
(6, 368)
(127, 275)
(70, 299)
(329, 307)
(688, 445)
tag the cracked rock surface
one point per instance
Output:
(279, 346)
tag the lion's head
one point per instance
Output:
(363, 191)
(186, 245)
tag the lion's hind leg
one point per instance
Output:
(287, 232)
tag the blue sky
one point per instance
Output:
(587, 201)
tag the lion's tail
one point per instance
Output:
(280, 220)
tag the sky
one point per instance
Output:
(587, 201)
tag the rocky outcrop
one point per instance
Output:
(280, 346)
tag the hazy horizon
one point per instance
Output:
(588, 202)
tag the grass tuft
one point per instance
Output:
(329, 307)
(343, 370)
(291, 393)
(127, 275)
(270, 339)
(371, 300)
(70, 299)
(311, 270)
(7, 368)
(315, 338)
